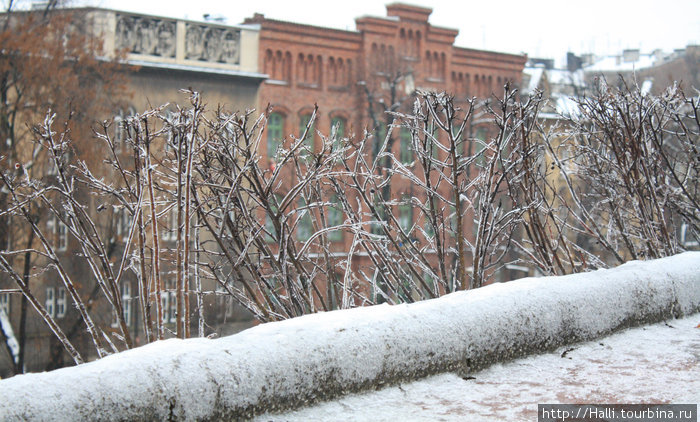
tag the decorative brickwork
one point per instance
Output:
(310, 65)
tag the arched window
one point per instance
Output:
(443, 66)
(309, 69)
(269, 66)
(120, 133)
(304, 225)
(417, 41)
(335, 218)
(379, 135)
(332, 71)
(318, 79)
(272, 235)
(337, 131)
(347, 72)
(309, 138)
(406, 149)
(341, 79)
(275, 128)
(301, 69)
(287, 67)
(380, 207)
(406, 214)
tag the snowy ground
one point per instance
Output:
(654, 364)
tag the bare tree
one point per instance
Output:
(41, 68)
(194, 205)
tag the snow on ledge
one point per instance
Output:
(290, 363)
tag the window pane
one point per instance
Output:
(379, 136)
(309, 139)
(381, 210)
(62, 236)
(335, 218)
(5, 303)
(305, 226)
(61, 302)
(165, 306)
(479, 141)
(338, 124)
(406, 154)
(50, 302)
(126, 302)
(406, 214)
(275, 126)
(272, 235)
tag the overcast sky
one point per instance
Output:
(546, 28)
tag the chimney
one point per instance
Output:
(573, 62)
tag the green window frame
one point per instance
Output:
(309, 139)
(380, 206)
(429, 281)
(406, 149)
(338, 123)
(304, 225)
(429, 229)
(431, 140)
(379, 136)
(269, 226)
(479, 140)
(406, 214)
(275, 127)
(335, 218)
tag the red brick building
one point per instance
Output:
(384, 62)
(310, 65)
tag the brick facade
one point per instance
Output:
(310, 65)
(335, 69)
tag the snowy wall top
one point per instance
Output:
(293, 362)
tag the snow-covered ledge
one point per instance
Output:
(292, 362)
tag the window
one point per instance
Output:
(126, 302)
(429, 281)
(120, 133)
(51, 169)
(338, 125)
(305, 225)
(50, 303)
(429, 229)
(271, 235)
(381, 211)
(479, 141)
(309, 138)
(125, 291)
(59, 231)
(455, 131)
(275, 126)
(5, 303)
(60, 302)
(687, 240)
(165, 306)
(62, 236)
(406, 214)
(168, 303)
(406, 151)
(379, 136)
(123, 222)
(405, 289)
(432, 140)
(335, 218)
(171, 228)
(172, 139)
